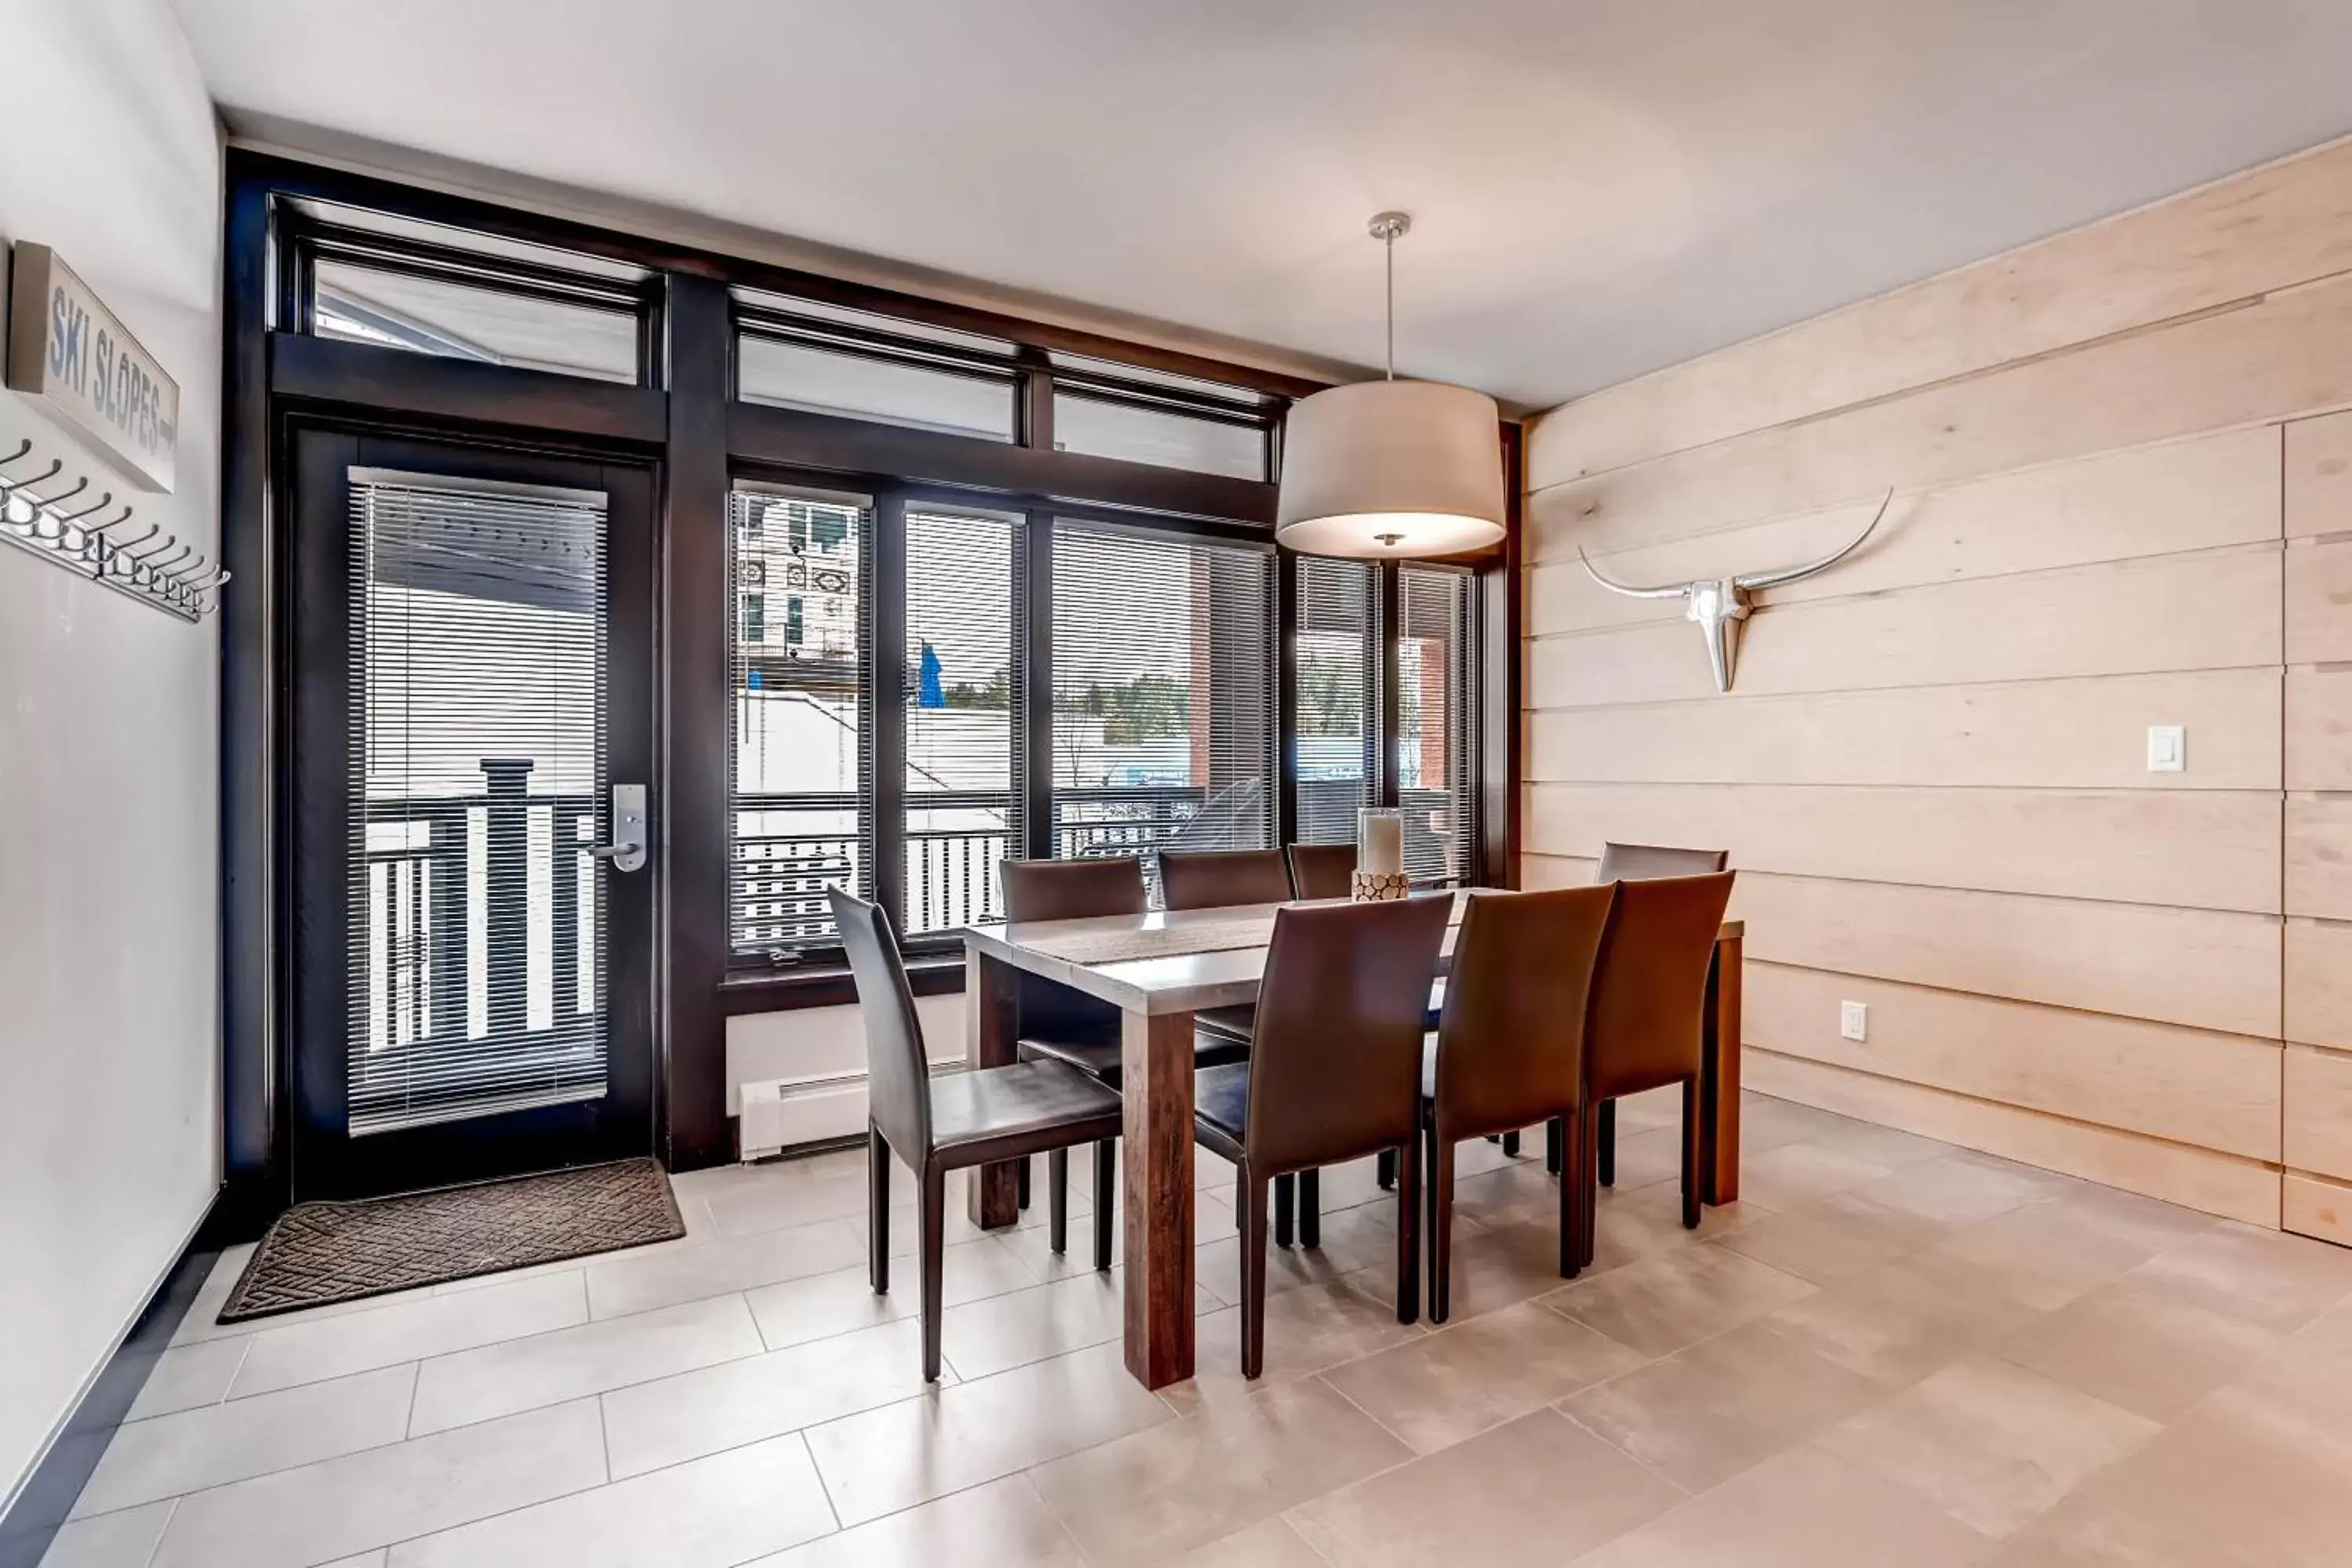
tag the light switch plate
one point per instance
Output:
(2168, 748)
(1854, 1020)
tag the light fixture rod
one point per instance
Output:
(1386, 227)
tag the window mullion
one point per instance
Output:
(883, 810)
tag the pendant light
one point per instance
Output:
(1391, 469)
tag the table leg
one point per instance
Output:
(1719, 1074)
(1156, 1085)
(991, 1039)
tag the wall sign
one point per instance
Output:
(69, 354)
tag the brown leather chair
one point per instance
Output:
(1214, 879)
(1509, 1049)
(1647, 1020)
(1058, 1023)
(1634, 863)
(1322, 870)
(1334, 1073)
(949, 1123)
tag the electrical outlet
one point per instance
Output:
(2168, 748)
(1854, 1020)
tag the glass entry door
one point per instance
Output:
(473, 836)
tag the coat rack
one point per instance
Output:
(50, 506)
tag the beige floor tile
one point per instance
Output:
(1497, 1266)
(1540, 1484)
(899, 1455)
(1002, 1524)
(780, 1196)
(1663, 1108)
(1515, 1194)
(124, 1538)
(1888, 1146)
(1806, 1509)
(712, 1513)
(1649, 1220)
(1158, 1494)
(1460, 1380)
(216, 1444)
(201, 1322)
(1354, 1241)
(522, 1374)
(351, 1504)
(410, 1330)
(1903, 1320)
(1961, 1188)
(696, 1270)
(1834, 1238)
(841, 1302)
(2050, 1253)
(186, 1376)
(1704, 1414)
(1798, 1173)
(376, 1559)
(1989, 1442)
(1650, 1155)
(1270, 1543)
(983, 1338)
(1307, 1330)
(1660, 1304)
(1767, 1123)
(2146, 1352)
(2262, 1276)
(672, 1419)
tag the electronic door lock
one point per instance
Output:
(627, 850)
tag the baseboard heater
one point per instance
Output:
(780, 1114)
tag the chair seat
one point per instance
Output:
(1221, 1107)
(1042, 1104)
(1237, 1022)
(1099, 1059)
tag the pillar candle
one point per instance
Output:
(1379, 842)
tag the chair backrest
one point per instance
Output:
(1639, 862)
(898, 1076)
(1210, 879)
(1335, 1063)
(1510, 1044)
(1322, 870)
(1649, 992)
(1070, 889)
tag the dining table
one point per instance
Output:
(1160, 968)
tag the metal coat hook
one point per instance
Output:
(105, 500)
(79, 485)
(17, 455)
(179, 574)
(169, 540)
(220, 574)
(163, 566)
(112, 522)
(123, 549)
(51, 473)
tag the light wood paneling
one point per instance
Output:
(2317, 1207)
(2319, 476)
(2319, 855)
(2191, 1086)
(2155, 500)
(2288, 356)
(2318, 1001)
(2061, 735)
(2201, 1178)
(2209, 850)
(2266, 229)
(2318, 1122)
(2319, 729)
(2202, 968)
(2213, 610)
(2319, 601)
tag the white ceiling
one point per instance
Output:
(1599, 187)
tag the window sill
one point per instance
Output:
(829, 985)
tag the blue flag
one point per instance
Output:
(926, 681)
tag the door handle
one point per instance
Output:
(627, 850)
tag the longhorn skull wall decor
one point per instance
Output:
(1717, 605)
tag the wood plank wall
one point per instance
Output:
(2122, 460)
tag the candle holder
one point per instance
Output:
(1378, 887)
(1379, 876)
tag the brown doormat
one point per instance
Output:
(317, 1254)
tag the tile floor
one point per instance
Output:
(1894, 1352)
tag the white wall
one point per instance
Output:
(110, 1048)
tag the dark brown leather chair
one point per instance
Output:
(1646, 1025)
(1334, 1073)
(1322, 870)
(1634, 863)
(1214, 879)
(1510, 1050)
(949, 1123)
(1058, 1023)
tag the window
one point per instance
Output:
(1163, 712)
(1434, 736)
(429, 315)
(821, 359)
(1165, 437)
(1338, 669)
(964, 695)
(800, 812)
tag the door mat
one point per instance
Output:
(317, 1254)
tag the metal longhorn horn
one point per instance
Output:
(1717, 605)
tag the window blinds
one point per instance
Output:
(475, 982)
(1337, 695)
(1434, 738)
(1162, 692)
(963, 715)
(800, 816)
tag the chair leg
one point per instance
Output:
(1409, 1203)
(1588, 1188)
(1106, 1175)
(1604, 1143)
(1250, 1192)
(1387, 1169)
(1555, 1146)
(1511, 1144)
(1691, 1130)
(1310, 1208)
(1562, 1130)
(1286, 1191)
(1440, 1226)
(934, 1259)
(1021, 1181)
(1057, 1200)
(877, 1202)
